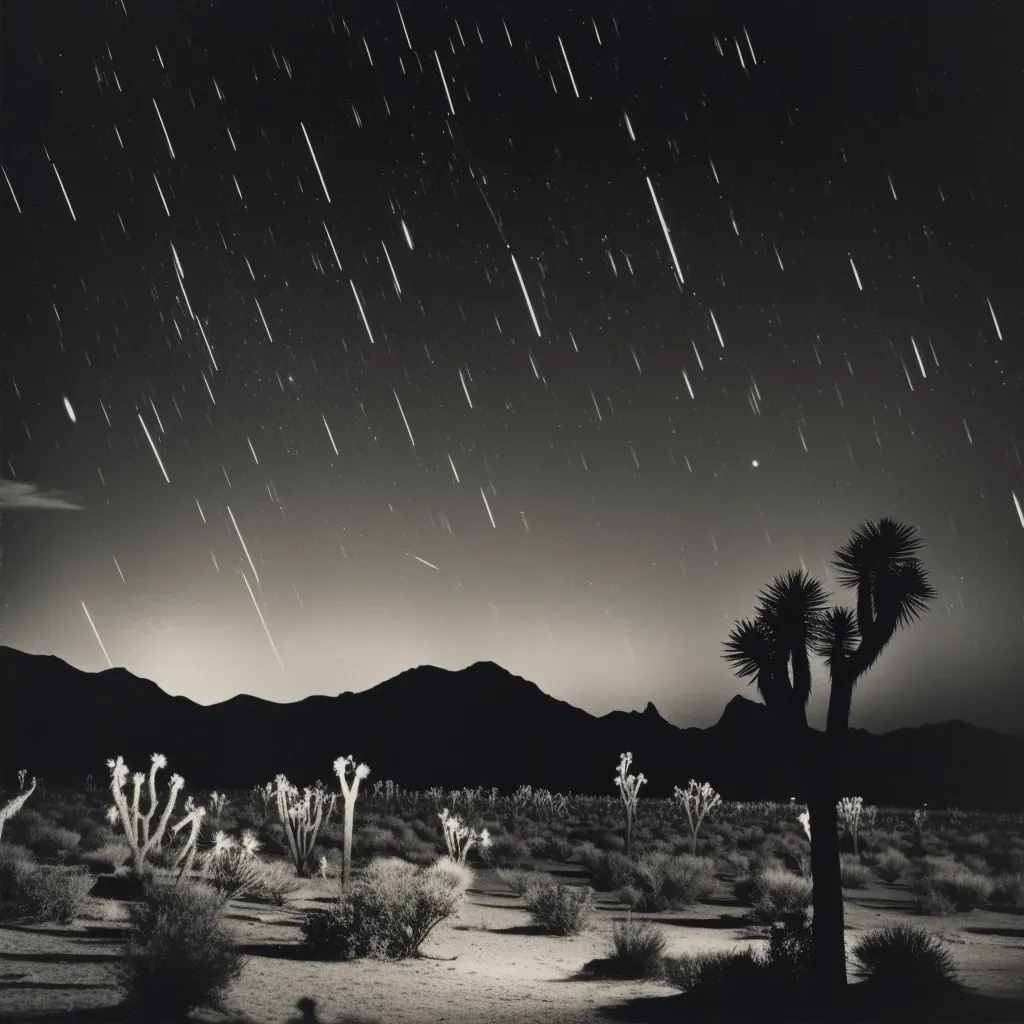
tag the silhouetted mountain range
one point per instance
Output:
(479, 726)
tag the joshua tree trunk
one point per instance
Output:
(828, 944)
(346, 858)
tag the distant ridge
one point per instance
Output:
(481, 725)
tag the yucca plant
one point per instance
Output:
(232, 868)
(904, 961)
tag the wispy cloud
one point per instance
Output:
(17, 496)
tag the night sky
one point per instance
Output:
(360, 336)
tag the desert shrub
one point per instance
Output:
(978, 844)
(48, 840)
(556, 848)
(105, 859)
(560, 909)
(929, 898)
(1008, 889)
(892, 866)
(736, 860)
(1007, 859)
(712, 972)
(14, 853)
(904, 961)
(788, 955)
(637, 949)
(389, 913)
(659, 881)
(953, 885)
(58, 894)
(854, 874)
(778, 894)
(372, 839)
(278, 882)
(790, 849)
(421, 854)
(506, 851)
(612, 842)
(178, 956)
(608, 869)
(874, 840)
(95, 834)
(16, 874)
(974, 862)
(517, 879)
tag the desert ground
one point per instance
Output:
(487, 963)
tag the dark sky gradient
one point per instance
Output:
(650, 458)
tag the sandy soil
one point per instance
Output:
(487, 964)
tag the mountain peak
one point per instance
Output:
(479, 725)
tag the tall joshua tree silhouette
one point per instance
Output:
(793, 621)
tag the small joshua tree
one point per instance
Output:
(629, 788)
(136, 825)
(849, 810)
(349, 791)
(218, 801)
(460, 838)
(698, 799)
(260, 797)
(13, 806)
(302, 815)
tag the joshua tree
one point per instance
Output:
(14, 805)
(629, 789)
(302, 815)
(794, 621)
(135, 823)
(697, 800)
(349, 792)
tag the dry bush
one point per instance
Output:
(779, 894)
(609, 869)
(560, 909)
(854, 874)
(950, 887)
(278, 882)
(660, 882)
(505, 851)
(389, 913)
(517, 879)
(178, 955)
(47, 840)
(637, 949)
(107, 858)
(1008, 889)
(892, 866)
